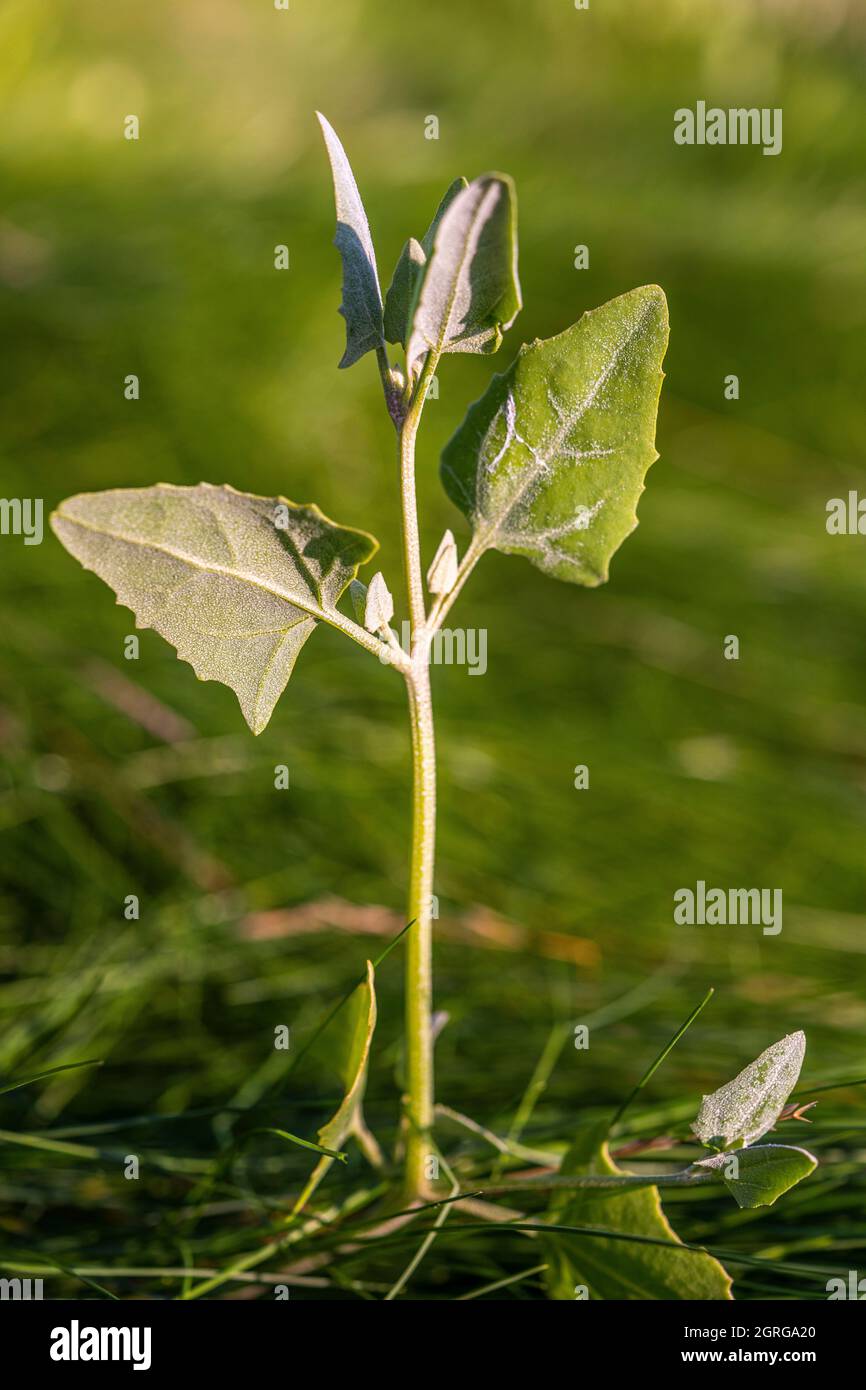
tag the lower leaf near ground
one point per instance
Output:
(759, 1176)
(347, 1043)
(346, 1046)
(610, 1267)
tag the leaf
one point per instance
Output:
(760, 1175)
(41, 1075)
(401, 293)
(378, 604)
(428, 240)
(348, 1045)
(362, 297)
(469, 291)
(358, 595)
(619, 1269)
(292, 1139)
(551, 461)
(236, 583)
(750, 1105)
(442, 574)
(348, 1049)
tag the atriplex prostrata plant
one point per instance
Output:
(548, 464)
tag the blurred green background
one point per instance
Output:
(156, 257)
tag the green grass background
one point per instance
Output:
(156, 258)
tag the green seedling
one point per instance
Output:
(549, 464)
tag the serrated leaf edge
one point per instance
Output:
(319, 613)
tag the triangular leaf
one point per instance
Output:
(551, 461)
(749, 1106)
(362, 297)
(758, 1176)
(236, 583)
(402, 291)
(469, 291)
(621, 1269)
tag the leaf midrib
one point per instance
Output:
(488, 534)
(314, 610)
(439, 345)
(762, 1101)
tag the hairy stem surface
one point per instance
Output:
(419, 949)
(419, 967)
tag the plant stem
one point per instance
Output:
(419, 948)
(601, 1182)
(419, 967)
(411, 541)
(393, 396)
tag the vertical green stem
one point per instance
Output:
(411, 541)
(419, 966)
(419, 949)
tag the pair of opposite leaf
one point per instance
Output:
(453, 291)
(734, 1118)
(548, 464)
(374, 603)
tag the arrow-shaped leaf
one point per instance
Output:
(758, 1177)
(401, 294)
(236, 583)
(749, 1106)
(618, 1268)
(469, 291)
(551, 461)
(362, 297)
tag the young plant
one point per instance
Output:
(548, 464)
